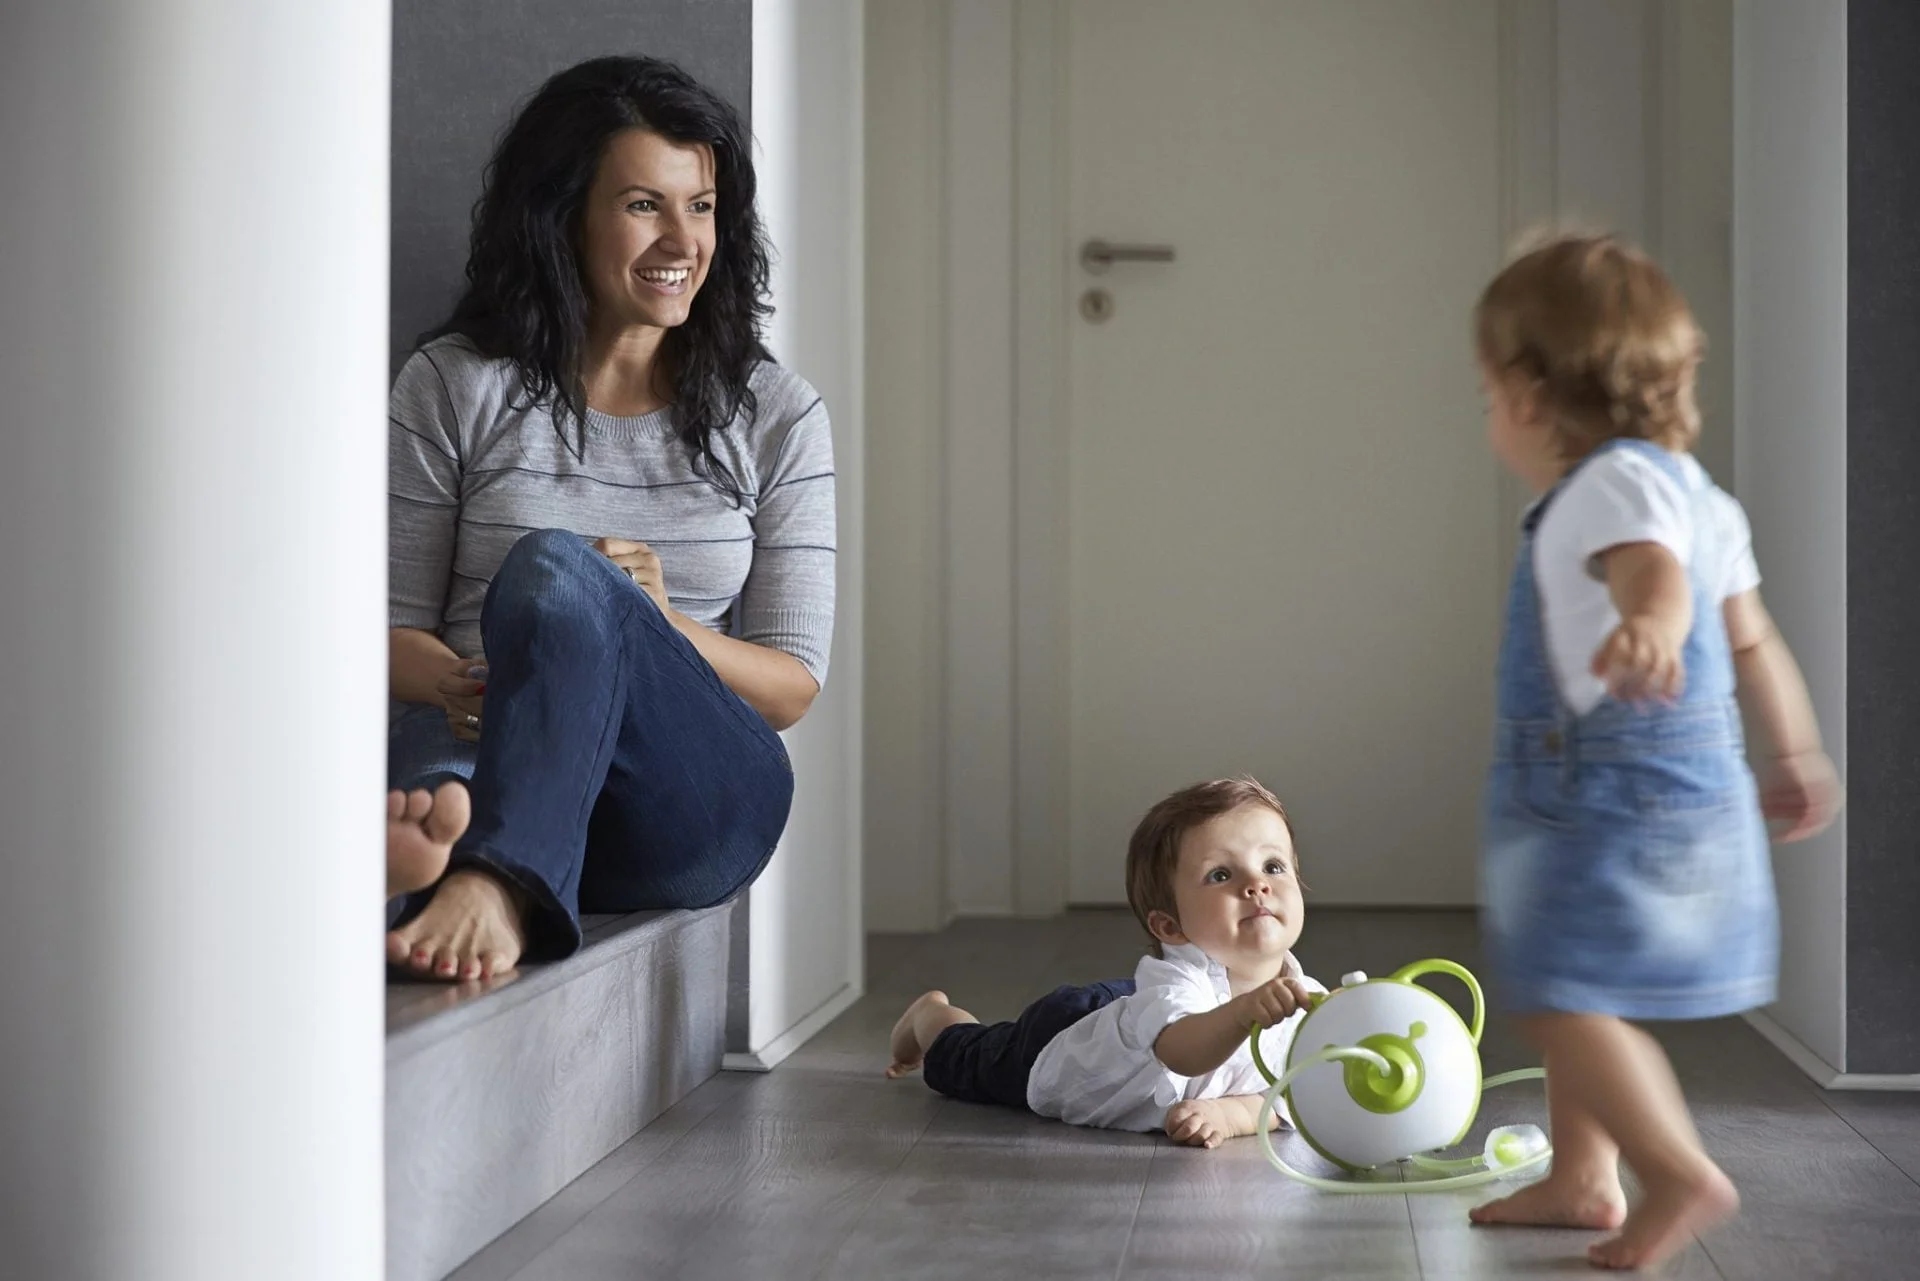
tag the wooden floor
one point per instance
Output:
(823, 1169)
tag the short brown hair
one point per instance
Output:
(1154, 851)
(1602, 334)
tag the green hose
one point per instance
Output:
(1451, 1182)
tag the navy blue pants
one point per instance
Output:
(990, 1062)
(615, 771)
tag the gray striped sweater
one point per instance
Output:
(473, 466)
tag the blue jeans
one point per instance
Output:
(990, 1062)
(615, 771)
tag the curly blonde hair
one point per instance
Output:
(1603, 337)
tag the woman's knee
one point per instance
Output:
(548, 573)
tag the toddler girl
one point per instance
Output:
(1625, 873)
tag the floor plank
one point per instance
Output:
(1890, 1121)
(989, 1192)
(1227, 1213)
(760, 1195)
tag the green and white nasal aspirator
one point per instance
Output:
(1395, 1077)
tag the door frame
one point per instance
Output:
(1004, 716)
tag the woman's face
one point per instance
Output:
(647, 231)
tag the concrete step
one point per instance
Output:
(498, 1098)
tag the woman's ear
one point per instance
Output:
(1163, 927)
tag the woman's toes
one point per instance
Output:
(419, 804)
(494, 964)
(399, 948)
(470, 968)
(396, 806)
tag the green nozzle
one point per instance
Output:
(1395, 1089)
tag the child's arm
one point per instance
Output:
(1199, 1043)
(1797, 784)
(1641, 658)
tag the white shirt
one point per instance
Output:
(1623, 497)
(1102, 1071)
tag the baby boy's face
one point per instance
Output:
(1236, 889)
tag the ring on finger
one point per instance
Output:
(473, 722)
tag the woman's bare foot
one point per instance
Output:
(1590, 1201)
(421, 829)
(470, 930)
(1672, 1211)
(925, 1020)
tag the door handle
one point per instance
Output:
(1097, 255)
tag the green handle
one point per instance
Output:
(1435, 966)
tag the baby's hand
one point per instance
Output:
(1272, 1002)
(1801, 792)
(1198, 1123)
(1641, 660)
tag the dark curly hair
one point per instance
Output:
(525, 300)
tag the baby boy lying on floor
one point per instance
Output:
(1213, 875)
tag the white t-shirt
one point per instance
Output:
(1624, 497)
(1102, 1071)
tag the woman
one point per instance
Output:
(612, 549)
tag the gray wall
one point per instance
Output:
(1883, 536)
(460, 67)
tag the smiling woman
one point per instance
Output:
(612, 547)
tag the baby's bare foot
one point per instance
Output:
(421, 829)
(471, 929)
(906, 1047)
(1559, 1202)
(1672, 1211)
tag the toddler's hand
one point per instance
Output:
(1272, 1002)
(1801, 792)
(1198, 1123)
(1641, 660)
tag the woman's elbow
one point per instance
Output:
(785, 712)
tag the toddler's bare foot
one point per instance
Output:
(421, 829)
(1559, 1201)
(470, 930)
(1672, 1211)
(906, 1048)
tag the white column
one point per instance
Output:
(193, 311)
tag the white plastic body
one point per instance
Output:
(1449, 1097)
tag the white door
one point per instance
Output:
(1284, 519)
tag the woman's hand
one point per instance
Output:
(640, 564)
(461, 690)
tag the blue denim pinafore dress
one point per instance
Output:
(1625, 868)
